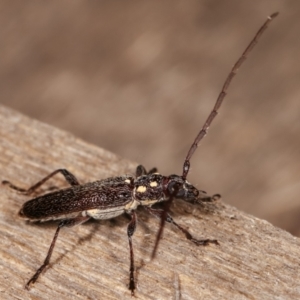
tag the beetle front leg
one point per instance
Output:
(63, 223)
(130, 231)
(203, 197)
(70, 178)
(159, 213)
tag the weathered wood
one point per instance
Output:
(254, 260)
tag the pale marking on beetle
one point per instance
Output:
(132, 205)
(141, 189)
(153, 184)
(101, 214)
(150, 202)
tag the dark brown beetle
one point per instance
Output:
(108, 198)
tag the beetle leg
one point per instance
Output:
(151, 171)
(130, 231)
(140, 170)
(159, 214)
(70, 178)
(64, 223)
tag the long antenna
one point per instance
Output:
(203, 131)
(214, 112)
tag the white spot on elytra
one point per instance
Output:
(127, 180)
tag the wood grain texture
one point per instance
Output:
(255, 260)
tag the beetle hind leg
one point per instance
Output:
(70, 178)
(63, 223)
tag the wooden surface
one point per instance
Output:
(254, 260)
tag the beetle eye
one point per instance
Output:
(172, 187)
(175, 189)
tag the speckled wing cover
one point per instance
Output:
(111, 192)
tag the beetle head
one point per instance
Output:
(181, 189)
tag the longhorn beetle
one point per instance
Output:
(108, 198)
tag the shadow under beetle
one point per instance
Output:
(111, 197)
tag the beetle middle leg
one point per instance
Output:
(70, 178)
(130, 231)
(64, 223)
(159, 213)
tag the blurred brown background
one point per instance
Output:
(139, 78)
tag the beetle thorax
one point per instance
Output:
(149, 189)
(153, 188)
